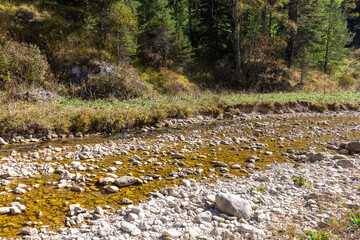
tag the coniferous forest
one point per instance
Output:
(128, 48)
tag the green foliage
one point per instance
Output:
(262, 189)
(300, 180)
(322, 35)
(225, 44)
(162, 45)
(22, 66)
(354, 218)
(319, 235)
(123, 26)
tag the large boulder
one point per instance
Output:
(127, 181)
(345, 163)
(233, 205)
(314, 156)
(353, 147)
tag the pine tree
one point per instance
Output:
(336, 36)
(309, 37)
(162, 45)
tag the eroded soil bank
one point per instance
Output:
(20, 126)
(41, 184)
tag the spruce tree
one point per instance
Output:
(162, 45)
(336, 36)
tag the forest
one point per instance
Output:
(127, 48)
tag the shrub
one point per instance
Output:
(169, 82)
(121, 82)
(175, 83)
(22, 66)
(346, 81)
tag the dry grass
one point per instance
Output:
(66, 114)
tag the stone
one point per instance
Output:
(125, 181)
(235, 166)
(314, 157)
(219, 164)
(99, 211)
(233, 205)
(250, 165)
(4, 210)
(5, 182)
(125, 201)
(19, 190)
(250, 229)
(112, 189)
(132, 216)
(2, 141)
(171, 233)
(29, 231)
(353, 147)
(186, 183)
(77, 189)
(264, 179)
(345, 163)
(14, 210)
(261, 217)
(203, 216)
(128, 227)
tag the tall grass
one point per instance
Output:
(67, 114)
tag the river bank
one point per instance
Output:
(61, 118)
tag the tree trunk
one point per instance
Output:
(327, 49)
(293, 15)
(270, 23)
(253, 37)
(176, 6)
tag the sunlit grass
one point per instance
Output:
(112, 115)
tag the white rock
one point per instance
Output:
(203, 216)
(19, 190)
(2, 141)
(4, 210)
(250, 229)
(171, 233)
(128, 227)
(99, 211)
(29, 231)
(112, 189)
(233, 205)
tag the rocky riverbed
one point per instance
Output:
(247, 176)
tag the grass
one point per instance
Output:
(262, 189)
(346, 227)
(111, 115)
(301, 180)
(319, 235)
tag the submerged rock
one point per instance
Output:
(127, 181)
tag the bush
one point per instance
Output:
(175, 83)
(22, 66)
(169, 82)
(121, 82)
(346, 81)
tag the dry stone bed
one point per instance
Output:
(317, 183)
(230, 208)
